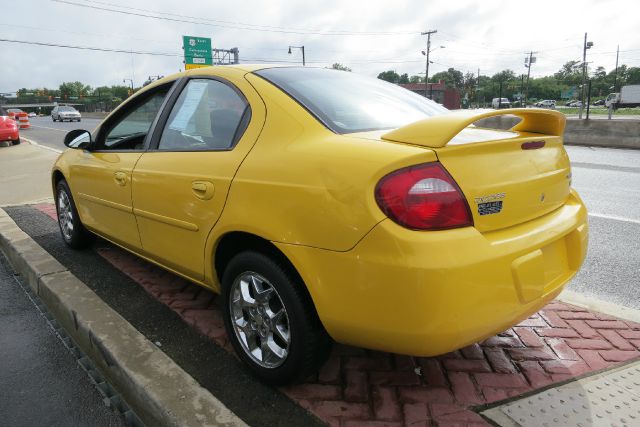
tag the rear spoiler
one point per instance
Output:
(437, 131)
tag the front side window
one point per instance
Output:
(209, 115)
(129, 131)
(347, 102)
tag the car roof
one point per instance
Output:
(213, 70)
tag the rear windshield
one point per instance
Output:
(347, 102)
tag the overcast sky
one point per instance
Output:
(368, 36)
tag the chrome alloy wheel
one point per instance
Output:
(259, 320)
(65, 215)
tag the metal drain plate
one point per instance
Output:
(609, 399)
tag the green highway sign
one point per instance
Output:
(197, 52)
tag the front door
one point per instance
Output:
(180, 187)
(101, 176)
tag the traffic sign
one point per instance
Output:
(197, 52)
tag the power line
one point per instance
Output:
(247, 27)
(83, 33)
(178, 55)
(100, 49)
(272, 27)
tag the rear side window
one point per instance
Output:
(209, 115)
(347, 102)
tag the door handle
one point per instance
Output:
(203, 190)
(121, 178)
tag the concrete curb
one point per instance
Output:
(155, 388)
(32, 142)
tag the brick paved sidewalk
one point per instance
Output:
(361, 387)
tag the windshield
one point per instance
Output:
(71, 109)
(347, 102)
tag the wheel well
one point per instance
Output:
(234, 243)
(56, 178)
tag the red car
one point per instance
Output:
(8, 128)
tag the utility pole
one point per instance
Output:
(615, 78)
(587, 45)
(527, 63)
(426, 77)
(478, 88)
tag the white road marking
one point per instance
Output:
(615, 217)
(45, 127)
(32, 142)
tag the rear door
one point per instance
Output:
(180, 186)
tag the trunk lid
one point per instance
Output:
(507, 177)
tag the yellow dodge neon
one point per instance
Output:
(323, 205)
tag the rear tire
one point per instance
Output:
(271, 321)
(16, 141)
(73, 232)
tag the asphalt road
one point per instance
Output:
(40, 382)
(607, 179)
(51, 134)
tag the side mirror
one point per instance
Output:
(78, 138)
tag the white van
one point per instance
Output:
(500, 103)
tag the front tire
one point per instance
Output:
(16, 141)
(271, 321)
(73, 232)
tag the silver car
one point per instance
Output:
(64, 112)
(547, 103)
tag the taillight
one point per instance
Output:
(423, 197)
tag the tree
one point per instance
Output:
(416, 79)
(390, 76)
(452, 78)
(69, 89)
(338, 66)
(633, 76)
(570, 73)
(503, 76)
(404, 78)
(469, 83)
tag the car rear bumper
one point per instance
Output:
(9, 135)
(428, 293)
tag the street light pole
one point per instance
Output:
(302, 49)
(130, 81)
(426, 76)
(587, 45)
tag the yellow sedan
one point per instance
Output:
(326, 206)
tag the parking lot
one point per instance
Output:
(360, 387)
(355, 385)
(607, 179)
